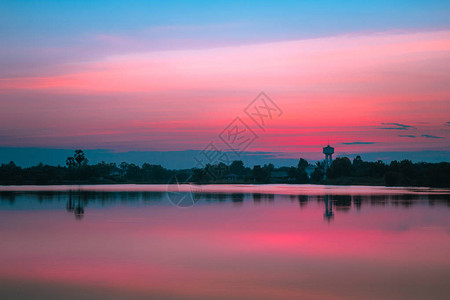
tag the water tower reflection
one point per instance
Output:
(328, 214)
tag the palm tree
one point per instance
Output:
(70, 162)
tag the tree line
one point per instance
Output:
(77, 170)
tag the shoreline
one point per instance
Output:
(291, 189)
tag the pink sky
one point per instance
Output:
(338, 89)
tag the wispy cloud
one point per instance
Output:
(203, 27)
(397, 126)
(358, 143)
(407, 135)
(447, 123)
(432, 136)
(160, 86)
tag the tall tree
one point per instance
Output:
(302, 176)
(70, 162)
(80, 158)
(340, 167)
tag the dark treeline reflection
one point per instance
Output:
(77, 202)
(85, 196)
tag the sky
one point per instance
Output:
(366, 77)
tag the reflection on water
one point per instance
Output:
(77, 207)
(77, 200)
(328, 214)
(254, 242)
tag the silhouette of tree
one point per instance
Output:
(391, 178)
(70, 162)
(302, 164)
(262, 174)
(340, 167)
(133, 172)
(318, 173)
(80, 157)
(403, 173)
(199, 175)
(302, 176)
(258, 173)
(292, 173)
(237, 167)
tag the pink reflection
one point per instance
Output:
(268, 251)
(280, 189)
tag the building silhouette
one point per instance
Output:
(328, 151)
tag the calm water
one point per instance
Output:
(236, 242)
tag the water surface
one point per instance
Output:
(236, 242)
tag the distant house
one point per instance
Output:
(231, 177)
(279, 175)
(116, 172)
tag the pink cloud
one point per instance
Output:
(348, 59)
(342, 85)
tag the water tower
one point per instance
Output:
(328, 151)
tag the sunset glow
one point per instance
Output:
(172, 87)
(224, 150)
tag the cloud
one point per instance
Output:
(168, 86)
(447, 123)
(283, 65)
(406, 135)
(359, 143)
(432, 136)
(397, 126)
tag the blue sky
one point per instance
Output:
(26, 24)
(37, 35)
